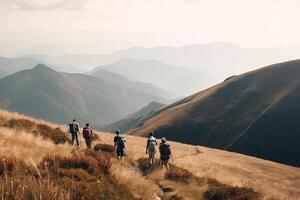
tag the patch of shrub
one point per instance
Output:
(178, 174)
(217, 191)
(104, 160)
(19, 124)
(10, 166)
(104, 148)
(75, 174)
(56, 135)
(86, 163)
(144, 165)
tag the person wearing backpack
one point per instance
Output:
(165, 153)
(119, 146)
(151, 148)
(88, 135)
(74, 130)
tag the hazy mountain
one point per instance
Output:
(215, 61)
(13, 65)
(120, 80)
(227, 57)
(3, 73)
(44, 93)
(191, 84)
(149, 71)
(217, 56)
(256, 113)
(74, 62)
(133, 121)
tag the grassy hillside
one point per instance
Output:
(59, 97)
(50, 171)
(133, 121)
(256, 113)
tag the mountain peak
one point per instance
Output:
(41, 66)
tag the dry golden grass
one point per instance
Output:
(272, 180)
(27, 147)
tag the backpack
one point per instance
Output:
(152, 145)
(87, 133)
(165, 151)
(73, 128)
(120, 143)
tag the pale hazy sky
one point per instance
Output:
(103, 26)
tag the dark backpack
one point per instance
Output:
(73, 128)
(165, 151)
(87, 133)
(120, 143)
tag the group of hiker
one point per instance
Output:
(120, 144)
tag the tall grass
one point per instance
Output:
(27, 147)
(273, 180)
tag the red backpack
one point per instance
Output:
(87, 133)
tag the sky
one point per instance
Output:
(104, 26)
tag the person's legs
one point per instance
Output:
(73, 138)
(76, 138)
(122, 156)
(152, 158)
(165, 164)
(88, 143)
(119, 154)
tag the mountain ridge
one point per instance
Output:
(87, 98)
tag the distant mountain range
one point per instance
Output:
(176, 79)
(118, 79)
(256, 113)
(203, 64)
(134, 120)
(228, 57)
(45, 93)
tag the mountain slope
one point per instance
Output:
(120, 80)
(256, 113)
(48, 94)
(133, 121)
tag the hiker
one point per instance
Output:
(165, 153)
(151, 148)
(88, 135)
(74, 130)
(119, 145)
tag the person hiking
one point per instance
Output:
(165, 153)
(88, 135)
(151, 148)
(74, 130)
(119, 145)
